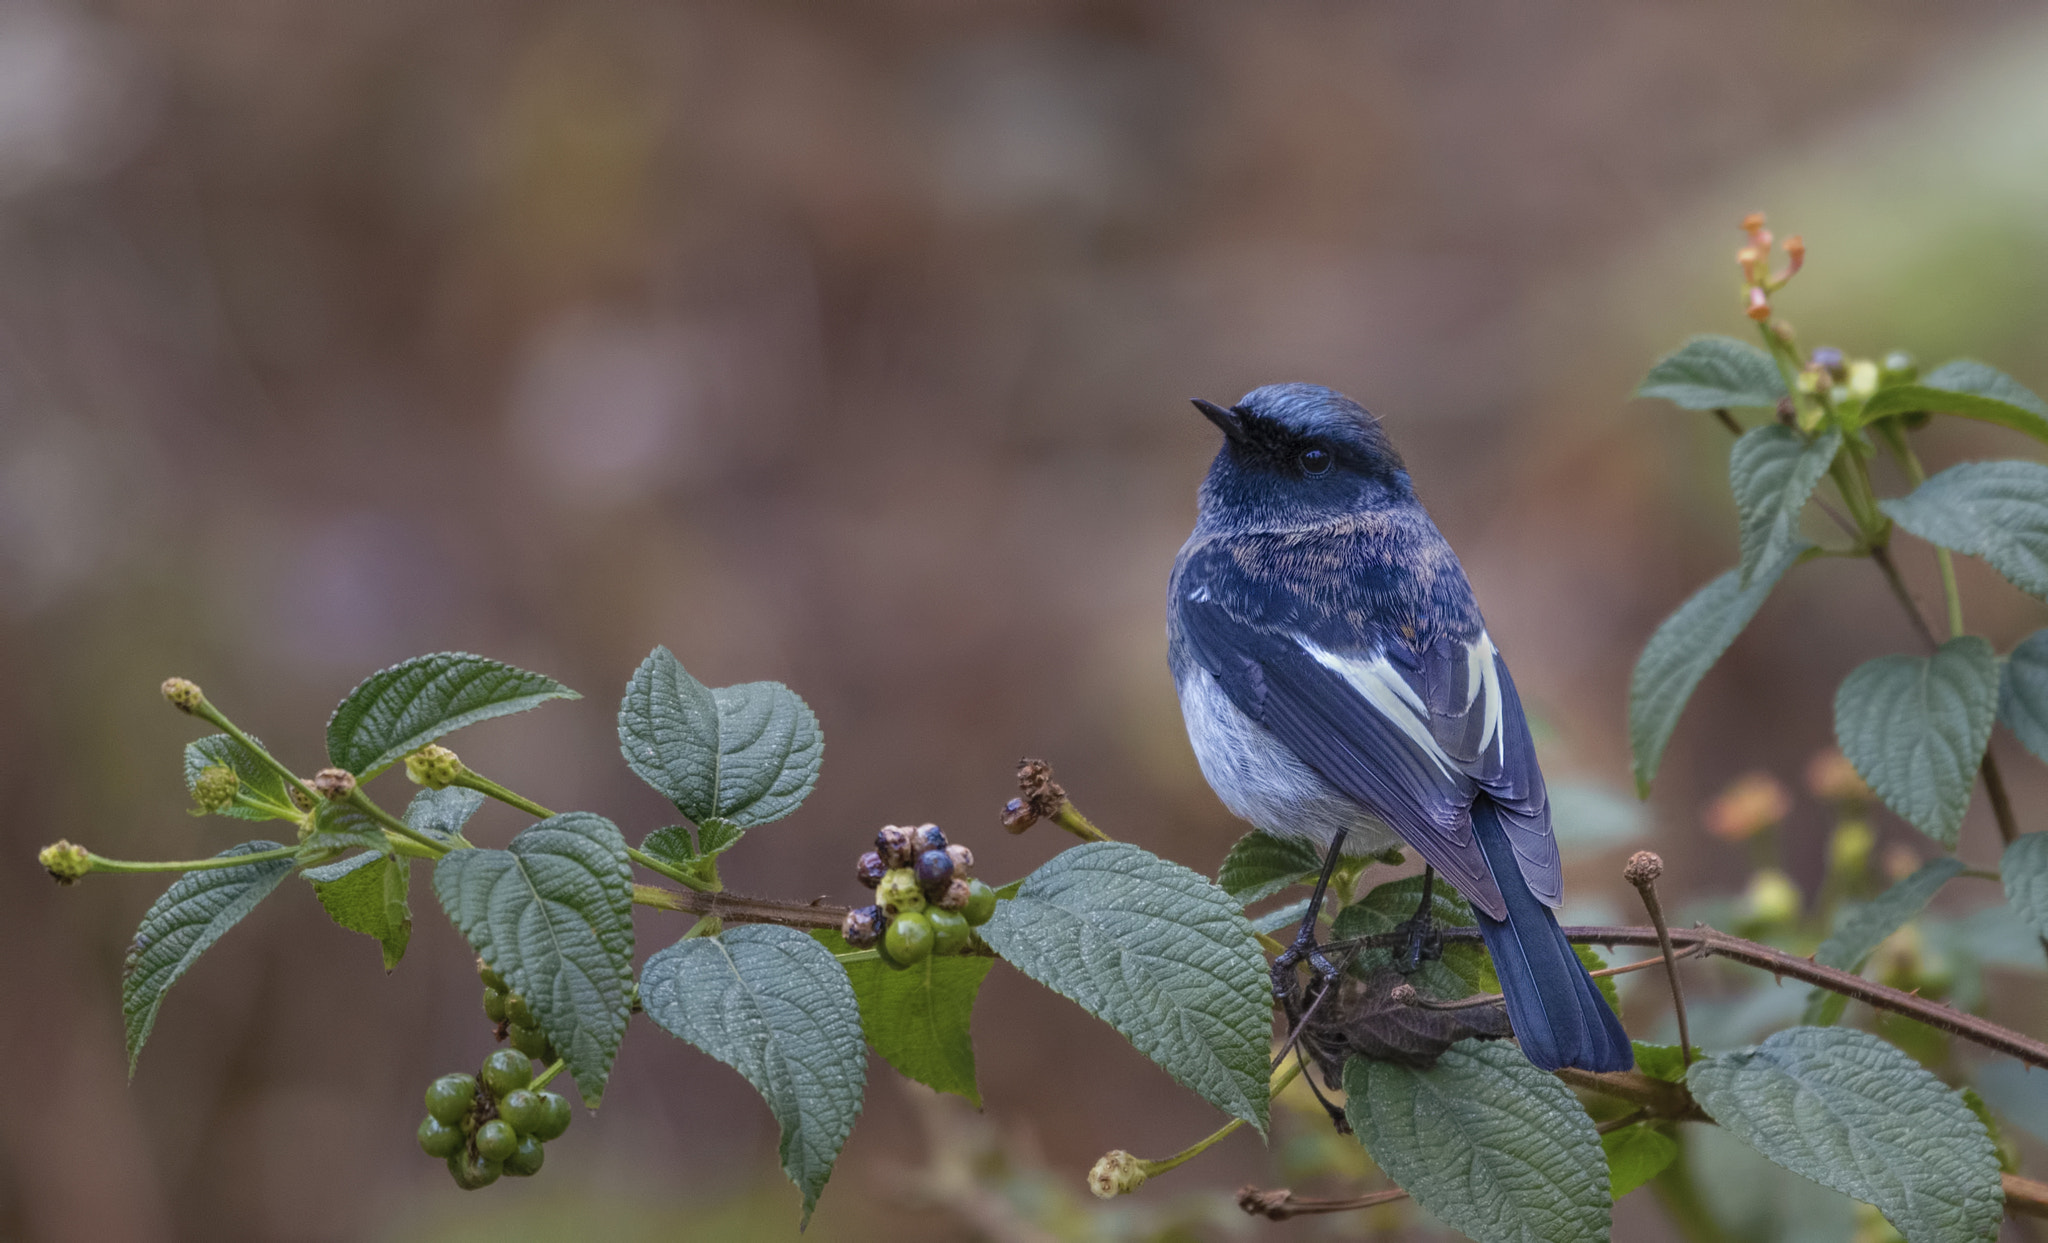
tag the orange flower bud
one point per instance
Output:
(1759, 305)
(1795, 246)
(1752, 222)
(1752, 803)
(1831, 776)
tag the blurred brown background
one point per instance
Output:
(849, 345)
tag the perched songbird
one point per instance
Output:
(1339, 687)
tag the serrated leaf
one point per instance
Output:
(553, 914)
(367, 893)
(2024, 870)
(442, 813)
(744, 754)
(261, 779)
(918, 1017)
(678, 847)
(1260, 865)
(1635, 1155)
(338, 827)
(401, 709)
(1281, 919)
(1915, 728)
(1772, 471)
(1485, 1143)
(1710, 373)
(2023, 693)
(1969, 389)
(1849, 1111)
(1862, 928)
(196, 911)
(1996, 511)
(1679, 654)
(1158, 952)
(773, 1004)
(1464, 968)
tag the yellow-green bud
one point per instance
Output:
(1117, 1174)
(1772, 897)
(184, 696)
(334, 784)
(1849, 849)
(65, 862)
(1863, 377)
(215, 787)
(433, 766)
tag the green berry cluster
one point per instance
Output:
(491, 1123)
(514, 1021)
(926, 901)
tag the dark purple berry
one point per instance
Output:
(870, 870)
(927, 837)
(934, 871)
(863, 927)
(963, 859)
(893, 844)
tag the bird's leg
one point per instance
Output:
(1425, 939)
(1305, 946)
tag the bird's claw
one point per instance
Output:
(1425, 944)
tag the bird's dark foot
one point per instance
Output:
(1305, 949)
(1425, 944)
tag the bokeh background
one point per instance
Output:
(849, 345)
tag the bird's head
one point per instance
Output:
(1298, 455)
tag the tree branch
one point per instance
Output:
(738, 908)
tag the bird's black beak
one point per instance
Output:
(1232, 426)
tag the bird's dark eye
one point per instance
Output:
(1316, 461)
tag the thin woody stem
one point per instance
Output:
(1643, 870)
(1281, 1203)
(736, 908)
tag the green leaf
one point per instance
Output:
(1464, 968)
(1681, 652)
(1862, 928)
(1849, 1111)
(1711, 373)
(442, 813)
(2023, 693)
(553, 914)
(403, 708)
(1156, 951)
(1663, 1061)
(2024, 869)
(1486, 1143)
(744, 754)
(1773, 470)
(193, 913)
(1635, 1155)
(1996, 511)
(694, 852)
(367, 894)
(260, 778)
(1590, 959)
(1915, 727)
(1286, 918)
(1260, 865)
(1969, 389)
(917, 1017)
(338, 827)
(773, 1004)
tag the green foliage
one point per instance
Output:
(1849, 1111)
(774, 1005)
(338, 827)
(2023, 693)
(742, 754)
(1260, 865)
(1486, 1143)
(259, 779)
(1157, 952)
(553, 915)
(1915, 727)
(2024, 869)
(1997, 511)
(1710, 373)
(1464, 968)
(1861, 929)
(411, 704)
(695, 853)
(367, 894)
(1635, 1155)
(196, 911)
(917, 1018)
(440, 814)
(1773, 470)
(1970, 390)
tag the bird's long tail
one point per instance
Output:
(1559, 1016)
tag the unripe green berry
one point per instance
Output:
(438, 1139)
(556, 1120)
(530, 1041)
(526, 1160)
(506, 1070)
(517, 1011)
(494, 1005)
(450, 1096)
(899, 892)
(496, 1140)
(524, 1109)
(950, 933)
(472, 1172)
(981, 903)
(909, 939)
(433, 766)
(215, 787)
(490, 978)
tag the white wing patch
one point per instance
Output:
(1482, 672)
(1380, 684)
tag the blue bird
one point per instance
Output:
(1340, 688)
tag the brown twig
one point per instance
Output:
(1643, 869)
(2024, 1196)
(1281, 1203)
(1658, 1097)
(736, 908)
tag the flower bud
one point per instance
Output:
(1849, 848)
(1772, 898)
(64, 862)
(1753, 222)
(1863, 378)
(1830, 360)
(893, 844)
(1752, 803)
(1644, 867)
(184, 696)
(215, 787)
(927, 837)
(1899, 368)
(863, 927)
(1831, 776)
(963, 859)
(1759, 308)
(434, 766)
(1118, 1173)
(870, 869)
(334, 784)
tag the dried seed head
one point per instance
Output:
(334, 784)
(1117, 1173)
(1644, 867)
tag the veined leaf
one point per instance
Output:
(1997, 511)
(1849, 1111)
(1681, 652)
(1157, 952)
(2024, 869)
(405, 707)
(1486, 1143)
(1260, 865)
(773, 1004)
(744, 754)
(2023, 693)
(367, 893)
(338, 827)
(1711, 373)
(1916, 727)
(1773, 470)
(1635, 1155)
(1969, 389)
(196, 911)
(695, 853)
(553, 914)
(261, 779)
(917, 1017)
(442, 813)
(1464, 968)
(1861, 929)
